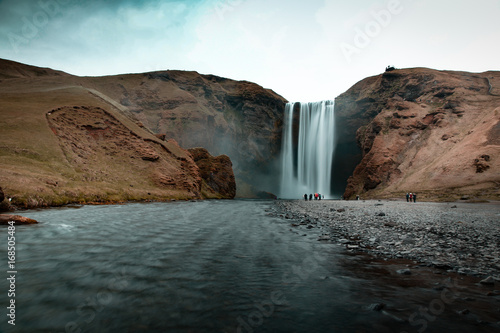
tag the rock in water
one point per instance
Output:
(489, 281)
(405, 271)
(6, 218)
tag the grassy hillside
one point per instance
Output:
(40, 166)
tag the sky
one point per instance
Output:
(304, 50)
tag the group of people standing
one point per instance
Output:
(411, 197)
(316, 196)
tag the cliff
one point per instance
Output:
(64, 141)
(420, 130)
(239, 119)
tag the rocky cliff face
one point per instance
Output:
(216, 172)
(236, 118)
(436, 133)
(63, 141)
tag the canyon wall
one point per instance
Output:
(239, 119)
(420, 130)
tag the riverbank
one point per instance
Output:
(457, 237)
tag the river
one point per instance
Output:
(208, 266)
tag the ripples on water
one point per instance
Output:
(211, 266)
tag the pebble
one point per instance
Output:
(376, 306)
(405, 271)
(489, 281)
(464, 312)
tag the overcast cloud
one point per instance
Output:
(304, 50)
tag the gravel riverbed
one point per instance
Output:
(459, 237)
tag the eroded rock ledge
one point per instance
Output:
(216, 172)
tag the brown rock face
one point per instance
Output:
(236, 118)
(93, 140)
(427, 131)
(217, 173)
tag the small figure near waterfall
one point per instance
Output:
(310, 197)
(305, 197)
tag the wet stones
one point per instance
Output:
(405, 271)
(376, 306)
(488, 281)
(462, 240)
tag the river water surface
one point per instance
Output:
(208, 266)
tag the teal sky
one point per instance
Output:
(304, 50)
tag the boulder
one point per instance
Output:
(217, 173)
(488, 281)
(6, 218)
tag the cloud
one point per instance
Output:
(94, 37)
(293, 47)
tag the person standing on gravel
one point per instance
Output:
(414, 197)
(305, 197)
(407, 197)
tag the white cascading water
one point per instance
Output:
(308, 167)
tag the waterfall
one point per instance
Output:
(307, 149)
